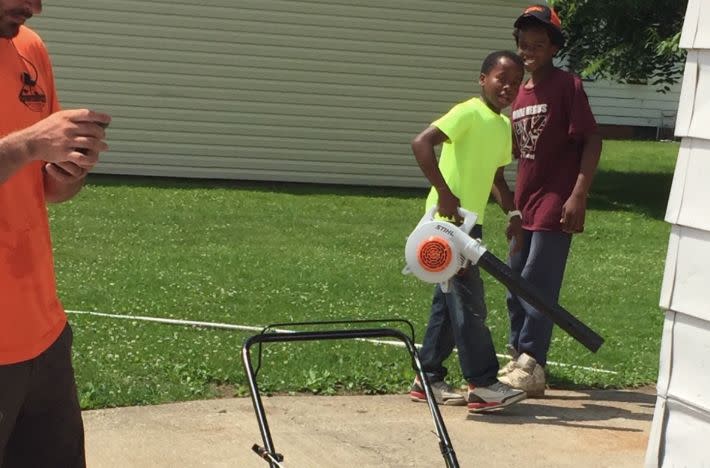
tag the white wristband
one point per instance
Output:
(514, 213)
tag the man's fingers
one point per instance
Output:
(88, 129)
(89, 116)
(64, 172)
(86, 145)
(85, 159)
(102, 120)
(70, 168)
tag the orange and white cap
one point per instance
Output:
(545, 15)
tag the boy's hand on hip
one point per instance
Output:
(573, 213)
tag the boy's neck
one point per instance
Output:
(540, 74)
(482, 97)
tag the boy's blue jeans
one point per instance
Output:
(541, 261)
(458, 318)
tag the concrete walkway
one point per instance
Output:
(581, 429)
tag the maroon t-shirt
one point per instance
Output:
(549, 123)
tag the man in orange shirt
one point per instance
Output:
(45, 153)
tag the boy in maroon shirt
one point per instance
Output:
(558, 148)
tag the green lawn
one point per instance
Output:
(254, 254)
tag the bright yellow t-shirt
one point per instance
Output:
(480, 141)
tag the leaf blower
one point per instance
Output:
(436, 250)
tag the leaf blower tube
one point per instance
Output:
(436, 250)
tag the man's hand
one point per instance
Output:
(70, 145)
(65, 136)
(573, 213)
(515, 231)
(68, 172)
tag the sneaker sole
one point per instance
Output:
(420, 397)
(494, 405)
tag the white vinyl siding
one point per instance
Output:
(681, 421)
(634, 105)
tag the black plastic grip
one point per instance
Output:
(526, 291)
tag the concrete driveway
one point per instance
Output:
(567, 428)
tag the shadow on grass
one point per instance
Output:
(292, 188)
(583, 409)
(640, 192)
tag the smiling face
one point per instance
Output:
(535, 47)
(500, 85)
(14, 13)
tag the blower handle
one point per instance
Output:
(469, 218)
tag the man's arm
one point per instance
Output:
(68, 141)
(573, 211)
(423, 148)
(13, 155)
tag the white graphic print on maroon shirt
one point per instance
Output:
(528, 124)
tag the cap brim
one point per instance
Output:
(532, 16)
(555, 30)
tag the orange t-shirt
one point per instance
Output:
(31, 315)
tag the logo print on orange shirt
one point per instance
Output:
(32, 95)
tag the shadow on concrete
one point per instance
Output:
(643, 398)
(594, 407)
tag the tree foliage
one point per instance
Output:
(629, 41)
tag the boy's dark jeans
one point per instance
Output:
(40, 418)
(541, 261)
(458, 318)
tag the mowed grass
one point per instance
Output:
(257, 253)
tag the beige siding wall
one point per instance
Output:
(316, 91)
(325, 91)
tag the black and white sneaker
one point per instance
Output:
(492, 397)
(444, 394)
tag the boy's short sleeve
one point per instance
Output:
(581, 120)
(455, 122)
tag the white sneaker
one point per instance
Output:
(527, 375)
(510, 365)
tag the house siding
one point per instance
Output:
(281, 90)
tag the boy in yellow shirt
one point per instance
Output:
(477, 145)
